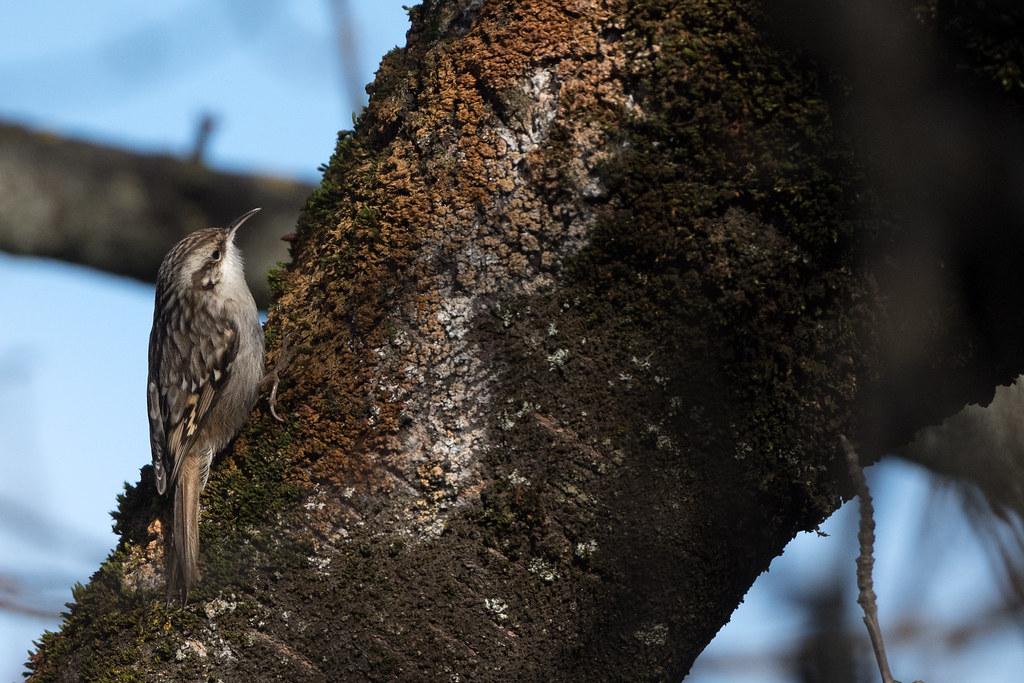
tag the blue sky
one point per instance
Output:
(73, 344)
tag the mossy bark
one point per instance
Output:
(581, 315)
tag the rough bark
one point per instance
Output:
(582, 309)
(120, 211)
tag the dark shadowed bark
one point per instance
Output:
(582, 307)
(121, 212)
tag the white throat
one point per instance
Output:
(232, 282)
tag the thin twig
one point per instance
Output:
(866, 561)
(347, 33)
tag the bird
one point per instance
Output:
(205, 373)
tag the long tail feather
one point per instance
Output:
(184, 557)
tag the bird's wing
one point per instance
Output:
(157, 439)
(189, 362)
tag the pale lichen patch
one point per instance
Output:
(191, 648)
(516, 479)
(142, 570)
(542, 568)
(497, 606)
(218, 606)
(584, 549)
(557, 358)
(652, 635)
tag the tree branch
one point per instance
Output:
(866, 560)
(120, 211)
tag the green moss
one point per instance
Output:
(327, 204)
(108, 631)
(105, 642)
(276, 281)
(245, 493)
(512, 516)
(427, 20)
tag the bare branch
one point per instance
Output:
(866, 561)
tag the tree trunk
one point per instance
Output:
(581, 316)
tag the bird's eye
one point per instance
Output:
(215, 255)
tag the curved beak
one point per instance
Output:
(237, 223)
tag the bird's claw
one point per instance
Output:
(284, 359)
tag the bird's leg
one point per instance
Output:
(285, 354)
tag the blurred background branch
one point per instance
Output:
(121, 211)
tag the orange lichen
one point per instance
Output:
(421, 235)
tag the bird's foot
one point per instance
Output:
(285, 354)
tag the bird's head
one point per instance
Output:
(209, 259)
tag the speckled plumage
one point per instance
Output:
(205, 367)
